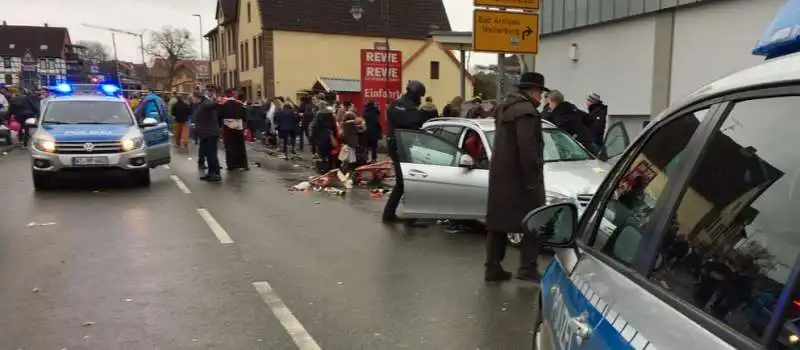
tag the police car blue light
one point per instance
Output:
(63, 88)
(109, 89)
(782, 36)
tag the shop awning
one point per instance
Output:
(339, 84)
(782, 37)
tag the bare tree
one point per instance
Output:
(170, 45)
(95, 51)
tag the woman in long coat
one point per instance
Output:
(516, 184)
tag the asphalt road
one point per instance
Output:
(244, 264)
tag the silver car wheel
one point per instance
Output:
(514, 239)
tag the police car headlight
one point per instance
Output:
(132, 143)
(44, 144)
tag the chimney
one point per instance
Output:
(45, 25)
(5, 23)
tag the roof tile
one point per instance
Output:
(412, 19)
(24, 38)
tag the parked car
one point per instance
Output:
(443, 182)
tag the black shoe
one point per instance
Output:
(211, 178)
(530, 276)
(496, 275)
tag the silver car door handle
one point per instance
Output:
(413, 172)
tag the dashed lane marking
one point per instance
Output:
(299, 335)
(182, 186)
(215, 227)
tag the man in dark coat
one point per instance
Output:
(596, 119)
(516, 180)
(374, 133)
(234, 117)
(403, 113)
(206, 124)
(286, 123)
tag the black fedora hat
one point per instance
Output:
(530, 80)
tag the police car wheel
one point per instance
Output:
(142, 178)
(42, 181)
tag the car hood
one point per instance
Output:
(574, 178)
(87, 133)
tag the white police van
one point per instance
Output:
(693, 239)
(91, 128)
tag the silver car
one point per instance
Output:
(443, 182)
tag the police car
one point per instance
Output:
(693, 239)
(91, 128)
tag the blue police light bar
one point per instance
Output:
(109, 89)
(782, 37)
(63, 88)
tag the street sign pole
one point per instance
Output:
(510, 27)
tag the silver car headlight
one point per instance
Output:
(132, 143)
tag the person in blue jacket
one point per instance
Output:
(152, 106)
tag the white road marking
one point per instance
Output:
(182, 186)
(301, 338)
(215, 227)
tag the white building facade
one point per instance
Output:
(642, 55)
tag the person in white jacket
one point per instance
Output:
(271, 115)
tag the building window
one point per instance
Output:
(255, 52)
(8, 78)
(246, 56)
(6, 62)
(435, 70)
(248, 12)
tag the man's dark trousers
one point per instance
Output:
(208, 151)
(390, 209)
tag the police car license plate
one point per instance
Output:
(82, 161)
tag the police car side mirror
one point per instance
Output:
(30, 122)
(553, 225)
(148, 123)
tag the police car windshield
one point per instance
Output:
(558, 146)
(87, 112)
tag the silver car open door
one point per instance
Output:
(434, 185)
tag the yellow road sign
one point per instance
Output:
(513, 4)
(505, 32)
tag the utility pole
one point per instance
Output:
(200, 37)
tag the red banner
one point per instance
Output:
(381, 78)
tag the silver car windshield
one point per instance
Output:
(558, 146)
(87, 112)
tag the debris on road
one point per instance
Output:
(88, 324)
(35, 224)
(36, 290)
(305, 185)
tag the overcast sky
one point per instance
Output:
(138, 15)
